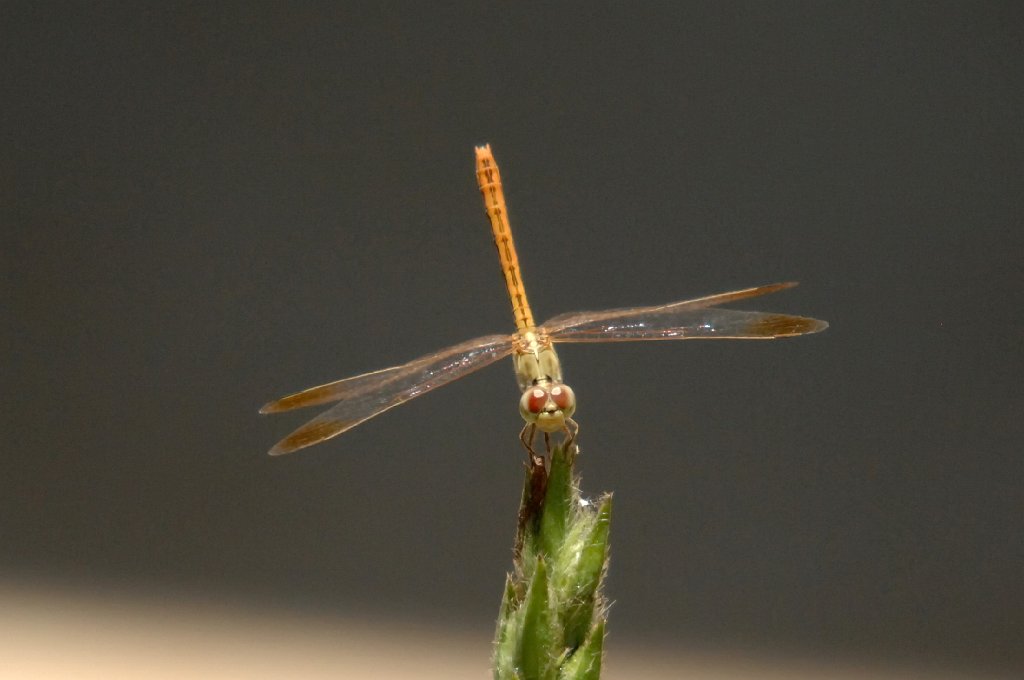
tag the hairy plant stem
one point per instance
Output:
(552, 619)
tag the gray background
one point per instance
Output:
(207, 207)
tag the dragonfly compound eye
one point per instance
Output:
(532, 402)
(564, 398)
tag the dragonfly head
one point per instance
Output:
(548, 406)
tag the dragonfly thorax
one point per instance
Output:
(535, 361)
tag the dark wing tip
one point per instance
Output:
(767, 289)
(307, 435)
(783, 286)
(784, 326)
(314, 396)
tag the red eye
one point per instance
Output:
(563, 397)
(536, 400)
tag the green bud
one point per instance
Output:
(551, 624)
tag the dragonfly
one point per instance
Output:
(546, 403)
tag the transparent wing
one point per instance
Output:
(690, 319)
(370, 394)
(334, 391)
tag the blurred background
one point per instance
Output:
(205, 207)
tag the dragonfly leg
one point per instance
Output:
(572, 428)
(526, 436)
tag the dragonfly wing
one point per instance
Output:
(371, 394)
(689, 319)
(334, 391)
(349, 388)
